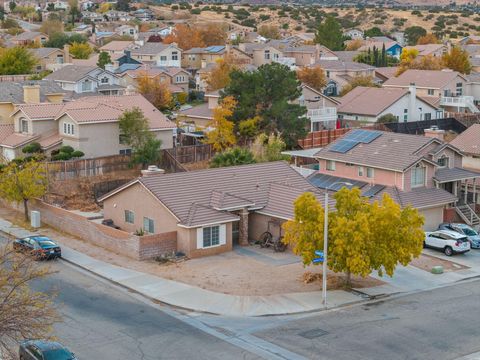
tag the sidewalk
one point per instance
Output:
(194, 298)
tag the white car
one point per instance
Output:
(450, 242)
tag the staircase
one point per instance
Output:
(471, 105)
(468, 215)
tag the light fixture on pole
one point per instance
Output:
(325, 242)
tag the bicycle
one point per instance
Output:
(266, 239)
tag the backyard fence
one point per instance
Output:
(321, 138)
(192, 154)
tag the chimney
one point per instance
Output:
(66, 54)
(412, 100)
(31, 94)
(203, 64)
(152, 170)
(435, 132)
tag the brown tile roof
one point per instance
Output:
(427, 49)
(200, 215)
(392, 151)
(27, 35)
(469, 140)
(200, 111)
(50, 140)
(6, 130)
(369, 101)
(419, 198)
(116, 45)
(16, 140)
(433, 79)
(387, 72)
(41, 111)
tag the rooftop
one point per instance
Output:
(469, 140)
(12, 92)
(423, 78)
(71, 73)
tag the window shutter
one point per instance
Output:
(199, 238)
(223, 234)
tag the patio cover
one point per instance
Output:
(454, 174)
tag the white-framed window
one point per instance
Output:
(174, 55)
(275, 56)
(129, 217)
(330, 165)
(148, 225)
(191, 57)
(24, 125)
(459, 89)
(431, 92)
(87, 85)
(68, 129)
(104, 80)
(418, 176)
(370, 172)
(267, 54)
(163, 58)
(360, 171)
(211, 236)
(443, 161)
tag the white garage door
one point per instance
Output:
(433, 217)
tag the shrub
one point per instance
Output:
(232, 157)
(32, 148)
(77, 154)
(67, 149)
(61, 156)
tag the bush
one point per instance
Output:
(232, 157)
(62, 156)
(77, 154)
(32, 148)
(67, 149)
(182, 98)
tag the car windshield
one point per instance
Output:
(44, 243)
(469, 232)
(57, 354)
(463, 239)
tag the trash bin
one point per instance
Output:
(35, 219)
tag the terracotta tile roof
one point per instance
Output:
(42, 111)
(469, 140)
(6, 130)
(200, 111)
(50, 140)
(150, 48)
(116, 45)
(16, 140)
(392, 151)
(387, 72)
(433, 79)
(369, 101)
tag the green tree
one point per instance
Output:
(81, 50)
(135, 132)
(269, 93)
(232, 157)
(12, 5)
(21, 181)
(103, 59)
(374, 31)
(413, 33)
(74, 11)
(329, 34)
(60, 39)
(16, 61)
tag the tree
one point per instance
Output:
(221, 136)
(387, 118)
(213, 34)
(32, 148)
(12, 5)
(269, 92)
(21, 181)
(103, 59)
(409, 60)
(269, 31)
(123, 5)
(428, 39)
(313, 76)
(155, 91)
(413, 33)
(458, 60)
(74, 11)
(135, 132)
(219, 76)
(305, 232)
(360, 80)
(59, 40)
(354, 45)
(248, 129)
(16, 61)
(186, 37)
(376, 57)
(232, 157)
(81, 50)
(329, 34)
(372, 32)
(50, 27)
(269, 148)
(24, 313)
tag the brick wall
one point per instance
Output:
(121, 242)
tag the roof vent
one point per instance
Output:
(152, 170)
(396, 140)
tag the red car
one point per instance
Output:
(41, 247)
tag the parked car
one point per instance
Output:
(450, 242)
(41, 247)
(472, 235)
(44, 350)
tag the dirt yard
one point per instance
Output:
(229, 273)
(427, 262)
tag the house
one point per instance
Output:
(219, 208)
(89, 124)
(86, 79)
(50, 58)
(368, 104)
(144, 15)
(159, 54)
(117, 47)
(354, 34)
(392, 47)
(306, 55)
(421, 171)
(382, 74)
(474, 55)
(27, 92)
(468, 142)
(176, 78)
(435, 50)
(470, 39)
(200, 115)
(29, 38)
(200, 58)
(340, 73)
(127, 30)
(473, 86)
(262, 53)
(321, 109)
(446, 86)
(92, 16)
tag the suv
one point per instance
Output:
(44, 350)
(463, 229)
(450, 242)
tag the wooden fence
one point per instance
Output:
(321, 138)
(192, 154)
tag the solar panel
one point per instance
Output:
(324, 181)
(374, 190)
(363, 136)
(343, 145)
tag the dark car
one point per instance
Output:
(44, 350)
(41, 247)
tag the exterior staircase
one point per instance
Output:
(468, 215)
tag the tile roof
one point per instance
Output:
(387, 72)
(12, 92)
(338, 65)
(392, 151)
(369, 100)
(346, 56)
(117, 45)
(43, 52)
(48, 141)
(427, 49)
(418, 198)
(6, 130)
(436, 79)
(200, 215)
(469, 140)
(91, 61)
(200, 111)
(150, 48)
(27, 35)
(42, 111)
(16, 140)
(453, 174)
(71, 73)
(473, 76)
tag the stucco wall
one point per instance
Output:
(187, 243)
(5, 110)
(258, 224)
(471, 163)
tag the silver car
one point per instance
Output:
(472, 235)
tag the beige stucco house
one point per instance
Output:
(159, 54)
(51, 58)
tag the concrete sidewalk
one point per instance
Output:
(193, 298)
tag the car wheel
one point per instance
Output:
(448, 251)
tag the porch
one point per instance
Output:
(322, 118)
(464, 185)
(459, 102)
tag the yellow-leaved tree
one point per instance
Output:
(313, 76)
(80, 50)
(21, 181)
(457, 59)
(219, 76)
(155, 91)
(410, 60)
(221, 135)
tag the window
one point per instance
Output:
(369, 172)
(211, 236)
(275, 56)
(104, 80)
(328, 74)
(267, 54)
(126, 152)
(431, 92)
(60, 59)
(459, 89)
(191, 57)
(148, 225)
(360, 171)
(443, 161)
(330, 165)
(24, 125)
(427, 116)
(68, 129)
(174, 55)
(87, 85)
(129, 217)
(163, 58)
(418, 176)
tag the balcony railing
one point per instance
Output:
(323, 115)
(460, 102)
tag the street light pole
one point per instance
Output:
(325, 243)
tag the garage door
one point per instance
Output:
(433, 217)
